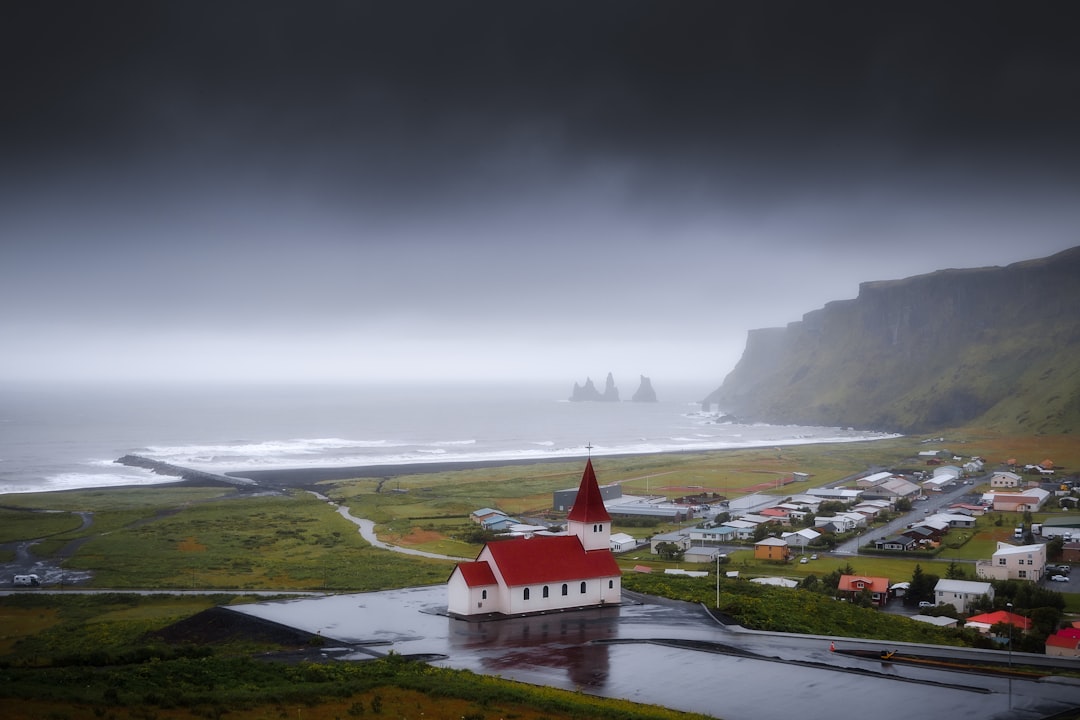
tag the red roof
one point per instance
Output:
(873, 584)
(1002, 616)
(1069, 632)
(589, 505)
(1063, 641)
(477, 574)
(529, 561)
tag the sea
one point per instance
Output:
(64, 437)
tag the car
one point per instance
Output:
(803, 561)
(925, 604)
(1059, 578)
(1062, 569)
(813, 557)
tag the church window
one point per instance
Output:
(565, 589)
(583, 586)
(611, 584)
(526, 595)
(545, 591)
(483, 595)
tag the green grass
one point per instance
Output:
(28, 525)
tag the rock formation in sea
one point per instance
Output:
(645, 392)
(588, 391)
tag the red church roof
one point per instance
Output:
(589, 504)
(477, 574)
(530, 561)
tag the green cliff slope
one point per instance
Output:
(997, 346)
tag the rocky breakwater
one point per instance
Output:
(183, 473)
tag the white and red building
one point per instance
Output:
(544, 573)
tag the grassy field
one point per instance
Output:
(184, 537)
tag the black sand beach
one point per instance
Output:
(307, 477)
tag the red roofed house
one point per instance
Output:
(984, 622)
(544, 573)
(851, 586)
(1064, 643)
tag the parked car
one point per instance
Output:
(1062, 569)
(813, 557)
(925, 604)
(803, 561)
(1059, 578)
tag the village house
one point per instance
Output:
(479, 516)
(800, 538)
(845, 522)
(1014, 562)
(744, 529)
(777, 515)
(952, 520)
(679, 538)
(622, 542)
(845, 495)
(872, 508)
(1064, 643)
(961, 594)
(772, 548)
(873, 480)
(1005, 479)
(924, 535)
(984, 622)
(1029, 500)
(967, 509)
(718, 535)
(543, 573)
(897, 543)
(851, 586)
(1065, 527)
(796, 512)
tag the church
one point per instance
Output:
(544, 573)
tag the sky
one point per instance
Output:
(480, 191)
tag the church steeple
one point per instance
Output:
(589, 519)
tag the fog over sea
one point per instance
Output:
(65, 437)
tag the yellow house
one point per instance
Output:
(772, 548)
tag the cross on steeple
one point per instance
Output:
(589, 448)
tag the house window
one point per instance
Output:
(545, 591)
(565, 589)
(483, 594)
(583, 586)
(1001, 561)
(1023, 573)
(526, 595)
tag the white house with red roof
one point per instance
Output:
(544, 573)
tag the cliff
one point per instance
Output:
(993, 346)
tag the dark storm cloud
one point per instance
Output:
(581, 173)
(433, 98)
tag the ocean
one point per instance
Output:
(67, 437)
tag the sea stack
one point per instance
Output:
(645, 392)
(588, 391)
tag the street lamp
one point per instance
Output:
(1009, 607)
(717, 581)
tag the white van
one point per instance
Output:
(27, 580)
